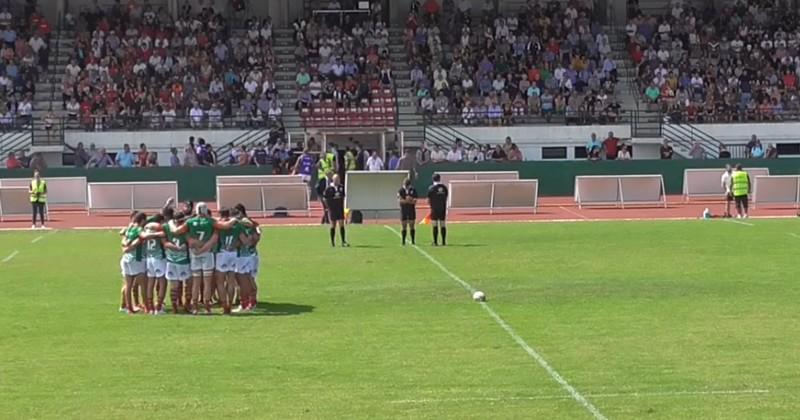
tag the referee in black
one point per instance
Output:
(334, 201)
(407, 197)
(437, 198)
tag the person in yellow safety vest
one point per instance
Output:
(740, 187)
(38, 193)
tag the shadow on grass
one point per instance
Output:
(278, 309)
(367, 246)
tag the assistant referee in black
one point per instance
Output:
(437, 198)
(334, 201)
(407, 198)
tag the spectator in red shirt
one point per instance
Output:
(12, 162)
(610, 145)
(141, 156)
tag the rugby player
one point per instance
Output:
(407, 198)
(247, 260)
(156, 266)
(203, 236)
(226, 258)
(437, 198)
(177, 252)
(123, 306)
(334, 201)
(132, 262)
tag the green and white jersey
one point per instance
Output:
(229, 239)
(154, 249)
(176, 257)
(201, 228)
(248, 250)
(131, 235)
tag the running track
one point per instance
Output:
(551, 209)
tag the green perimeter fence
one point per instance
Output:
(555, 178)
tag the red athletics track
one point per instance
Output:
(554, 209)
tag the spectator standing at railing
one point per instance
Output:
(610, 146)
(515, 154)
(666, 151)
(757, 152)
(190, 156)
(12, 162)
(696, 152)
(100, 159)
(125, 158)
(374, 163)
(81, 157)
(772, 152)
(174, 160)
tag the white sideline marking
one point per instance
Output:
(574, 394)
(738, 222)
(795, 235)
(610, 395)
(573, 212)
(10, 257)
(37, 239)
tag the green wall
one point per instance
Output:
(555, 178)
(558, 178)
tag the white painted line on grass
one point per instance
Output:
(738, 222)
(10, 257)
(574, 394)
(724, 392)
(37, 239)
(795, 235)
(573, 212)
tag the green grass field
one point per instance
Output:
(646, 320)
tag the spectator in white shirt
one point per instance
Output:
(24, 111)
(438, 155)
(214, 117)
(374, 163)
(275, 112)
(454, 155)
(196, 115)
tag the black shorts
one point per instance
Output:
(741, 200)
(408, 213)
(438, 213)
(336, 213)
(729, 197)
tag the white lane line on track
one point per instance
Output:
(723, 392)
(573, 212)
(10, 257)
(574, 394)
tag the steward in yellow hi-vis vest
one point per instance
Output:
(740, 187)
(38, 193)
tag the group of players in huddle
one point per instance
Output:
(205, 260)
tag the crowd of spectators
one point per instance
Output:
(549, 59)
(24, 56)
(737, 63)
(342, 63)
(508, 151)
(136, 67)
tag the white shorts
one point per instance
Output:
(244, 265)
(131, 267)
(156, 267)
(202, 262)
(226, 261)
(305, 178)
(178, 272)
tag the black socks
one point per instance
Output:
(333, 236)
